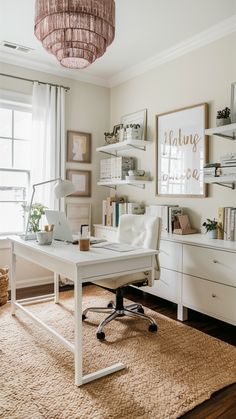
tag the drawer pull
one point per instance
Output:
(213, 295)
(215, 261)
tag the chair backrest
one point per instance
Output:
(140, 230)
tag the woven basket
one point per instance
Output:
(4, 282)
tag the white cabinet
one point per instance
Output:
(209, 297)
(212, 264)
(196, 273)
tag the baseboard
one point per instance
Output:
(33, 282)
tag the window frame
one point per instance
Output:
(15, 105)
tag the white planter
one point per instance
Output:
(212, 234)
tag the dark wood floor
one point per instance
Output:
(222, 404)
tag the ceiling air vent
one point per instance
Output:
(16, 47)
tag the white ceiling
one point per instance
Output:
(145, 29)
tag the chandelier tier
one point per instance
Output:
(77, 32)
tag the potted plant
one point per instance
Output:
(211, 227)
(223, 117)
(37, 210)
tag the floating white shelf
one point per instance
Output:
(226, 181)
(114, 183)
(123, 145)
(226, 131)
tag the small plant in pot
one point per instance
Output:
(211, 227)
(223, 117)
(37, 210)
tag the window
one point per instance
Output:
(15, 136)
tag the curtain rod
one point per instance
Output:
(34, 81)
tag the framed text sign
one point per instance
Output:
(182, 151)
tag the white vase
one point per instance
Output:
(212, 234)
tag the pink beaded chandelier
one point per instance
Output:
(77, 32)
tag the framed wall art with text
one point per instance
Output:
(182, 151)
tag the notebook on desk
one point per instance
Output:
(117, 247)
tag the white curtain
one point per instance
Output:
(48, 140)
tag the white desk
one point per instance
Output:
(80, 267)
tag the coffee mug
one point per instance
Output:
(44, 237)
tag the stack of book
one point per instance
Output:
(116, 168)
(227, 223)
(114, 207)
(167, 213)
(211, 170)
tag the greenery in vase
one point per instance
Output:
(37, 210)
(210, 225)
(224, 114)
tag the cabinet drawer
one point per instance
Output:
(171, 255)
(211, 298)
(105, 233)
(212, 264)
(167, 287)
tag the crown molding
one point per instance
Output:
(220, 30)
(32, 64)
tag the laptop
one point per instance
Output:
(62, 229)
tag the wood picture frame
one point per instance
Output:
(82, 181)
(78, 147)
(78, 214)
(181, 152)
(140, 118)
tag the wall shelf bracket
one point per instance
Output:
(229, 186)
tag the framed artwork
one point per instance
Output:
(82, 181)
(233, 103)
(182, 151)
(77, 215)
(117, 128)
(139, 117)
(78, 147)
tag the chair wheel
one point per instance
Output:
(110, 305)
(140, 310)
(83, 317)
(152, 328)
(100, 335)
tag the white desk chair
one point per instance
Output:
(142, 231)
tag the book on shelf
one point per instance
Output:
(220, 231)
(114, 207)
(167, 213)
(116, 168)
(227, 223)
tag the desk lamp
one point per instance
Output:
(62, 189)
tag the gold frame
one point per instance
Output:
(206, 151)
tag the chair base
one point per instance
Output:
(119, 310)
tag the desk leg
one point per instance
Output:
(56, 288)
(78, 331)
(13, 280)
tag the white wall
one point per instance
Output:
(87, 109)
(204, 75)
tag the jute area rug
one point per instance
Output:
(167, 373)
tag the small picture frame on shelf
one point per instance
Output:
(78, 147)
(82, 181)
(137, 118)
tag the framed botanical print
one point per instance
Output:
(82, 181)
(78, 147)
(182, 151)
